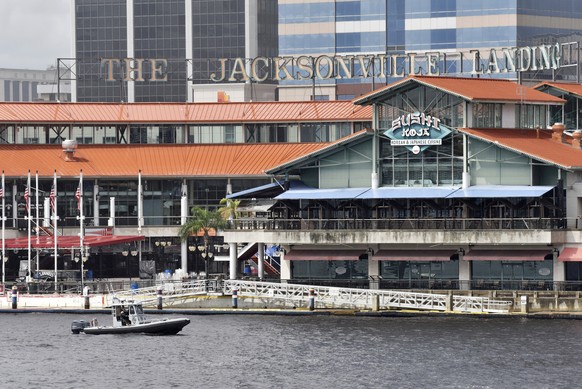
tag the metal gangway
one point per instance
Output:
(296, 295)
(352, 298)
(174, 293)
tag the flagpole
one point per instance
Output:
(81, 232)
(37, 225)
(3, 234)
(29, 226)
(55, 226)
(139, 219)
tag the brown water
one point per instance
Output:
(246, 351)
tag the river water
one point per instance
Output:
(247, 351)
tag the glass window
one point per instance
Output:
(486, 115)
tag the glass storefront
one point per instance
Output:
(330, 270)
(512, 274)
(419, 274)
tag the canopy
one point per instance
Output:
(571, 254)
(69, 241)
(321, 194)
(324, 255)
(506, 255)
(408, 193)
(414, 255)
(426, 192)
(501, 191)
(268, 190)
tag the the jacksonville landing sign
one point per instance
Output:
(417, 131)
(323, 67)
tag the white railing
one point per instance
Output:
(331, 297)
(176, 293)
(172, 292)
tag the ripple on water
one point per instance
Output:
(296, 352)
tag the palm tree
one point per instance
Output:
(202, 220)
(229, 210)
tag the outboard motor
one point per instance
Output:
(79, 325)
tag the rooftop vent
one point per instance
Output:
(558, 131)
(69, 148)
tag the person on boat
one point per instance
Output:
(124, 317)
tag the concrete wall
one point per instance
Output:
(435, 238)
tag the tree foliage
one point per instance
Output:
(229, 209)
(202, 220)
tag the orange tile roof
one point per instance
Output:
(572, 88)
(280, 112)
(471, 89)
(528, 142)
(221, 160)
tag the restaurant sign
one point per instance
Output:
(417, 131)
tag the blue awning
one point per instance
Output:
(500, 191)
(321, 194)
(250, 192)
(408, 193)
(268, 190)
(299, 191)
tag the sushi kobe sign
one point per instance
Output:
(416, 131)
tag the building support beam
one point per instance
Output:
(232, 262)
(285, 267)
(261, 260)
(183, 220)
(464, 274)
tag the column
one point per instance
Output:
(233, 261)
(559, 272)
(130, 50)
(261, 260)
(96, 203)
(46, 221)
(14, 206)
(285, 267)
(111, 221)
(373, 271)
(189, 54)
(464, 274)
(184, 247)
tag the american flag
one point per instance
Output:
(78, 197)
(26, 199)
(52, 197)
(1, 193)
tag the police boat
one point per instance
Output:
(128, 318)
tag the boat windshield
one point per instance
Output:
(136, 309)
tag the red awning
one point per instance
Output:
(571, 254)
(506, 255)
(67, 242)
(323, 255)
(414, 255)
